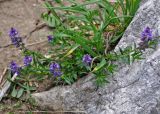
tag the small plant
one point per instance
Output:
(82, 43)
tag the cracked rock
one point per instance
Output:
(135, 88)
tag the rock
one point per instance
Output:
(134, 89)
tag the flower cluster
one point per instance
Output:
(55, 69)
(27, 60)
(16, 40)
(14, 68)
(50, 38)
(87, 59)
(13, 32)
(146, 34)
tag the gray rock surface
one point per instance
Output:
(134, 89)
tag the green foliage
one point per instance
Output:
(83, 30)
(30, 75)
(93, 27)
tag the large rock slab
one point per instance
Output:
(134, 89)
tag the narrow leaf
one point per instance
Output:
(71, 50)
(99, 66)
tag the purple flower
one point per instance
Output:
(14, 68)
(55, 69)
(27, 60)
(13, 32)
(87, 59)
(16, 40)
(50, 38)
(146, 34)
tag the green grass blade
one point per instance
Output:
(74, 47)
(100, 65)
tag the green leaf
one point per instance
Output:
(81, 41)
(85, 46)
(67, 80)
(20, 92)
(77, 6)
(109, 8)
(74, 47)
(99, 66)
(99, 41)
(58, 1)
(14, 92)
(51, 19)
(111, 68)
(101, 80)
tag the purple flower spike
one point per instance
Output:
(13, 32)
(55, 69)
(50, 38)
(16, 40)
(146, 34)
(14, 68)
(87, 59)
(27, 60)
